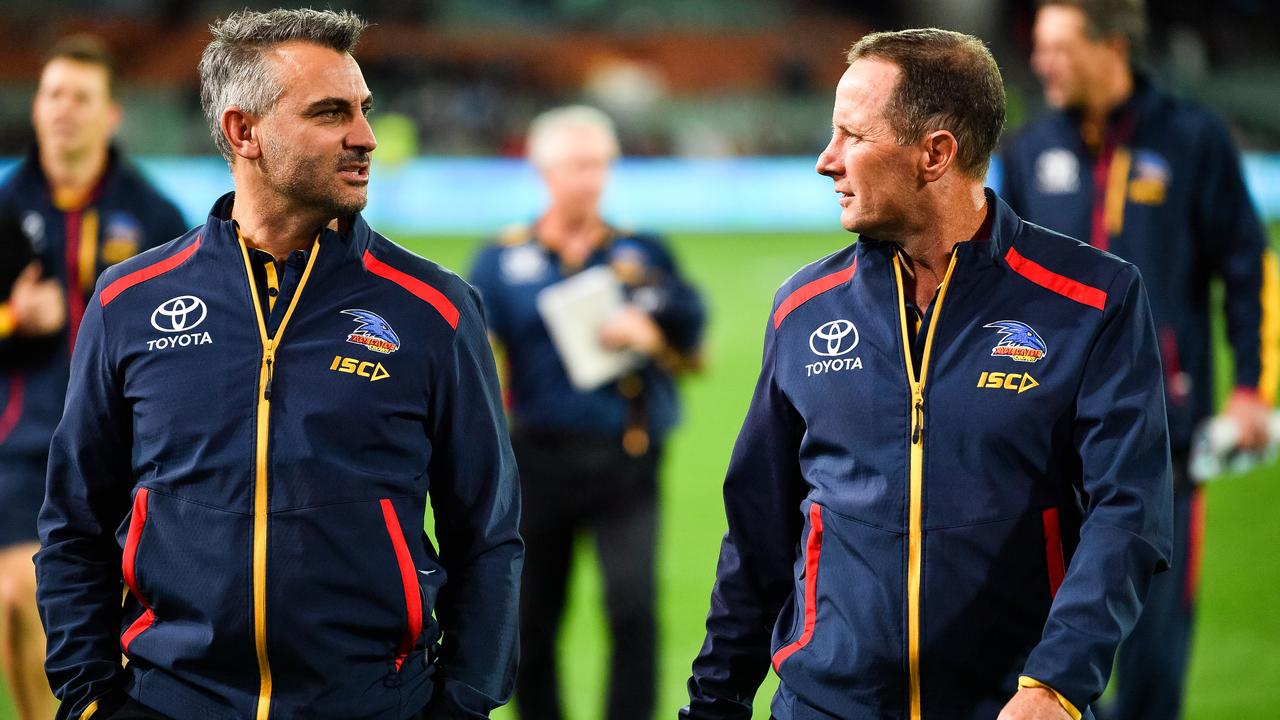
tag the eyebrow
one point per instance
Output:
(336, 102)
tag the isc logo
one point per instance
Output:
(364, 368)
(1021, 382)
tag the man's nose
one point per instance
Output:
(361, 136)
(828, 161)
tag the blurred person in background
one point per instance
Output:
(951, 489)
(81, 207)
(588, 460)
(1156, 180)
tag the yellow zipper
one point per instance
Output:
(265, 373)
(915, 533)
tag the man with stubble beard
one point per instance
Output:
(256, 415)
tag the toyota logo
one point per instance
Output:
(179, 314)
(834, 339)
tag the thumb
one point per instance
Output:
(30, 275)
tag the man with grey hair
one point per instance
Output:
(588, 456)
(257, 413)
(951, 489)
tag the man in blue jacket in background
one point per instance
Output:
(77, 206)
(257, 413)
(952, 487)
(589, 458)
(1157, 181)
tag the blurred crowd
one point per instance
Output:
(700, 78)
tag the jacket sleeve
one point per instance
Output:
(675, 304)
(1233, 243)
(1121, 435)
(486, 278)
(86, 499)
(763, 490)
(1011, 189)
(476, 502)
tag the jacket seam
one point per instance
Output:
(990, 521)
(198, 503)
(864, 523)
(299, 508)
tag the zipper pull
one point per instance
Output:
(266, 391)
(917, 422)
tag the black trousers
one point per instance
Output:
(581, 483)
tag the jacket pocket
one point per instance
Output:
(812, 555)
(137, 522)
(408, 581)
(1053, 555)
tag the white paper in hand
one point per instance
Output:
(573, 310)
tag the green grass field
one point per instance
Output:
(1237, 658)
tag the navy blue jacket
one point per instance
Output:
(260, 485)
(510, 273)
(123, 216)
(906, 547)
(1163, 188)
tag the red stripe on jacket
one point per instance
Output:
(408, 580)
(13, 407)
(75, 294)
(423, 291)
(112, 291)
(129, 568)
(1053, 551)
(812, 552)
(810, 290)
(1060, 284)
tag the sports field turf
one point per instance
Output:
(1237, 658)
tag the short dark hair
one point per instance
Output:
(949, 81)
(1107, 18)
(234, 68)
(86, 49)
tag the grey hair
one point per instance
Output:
(546, 128)
(234, 68)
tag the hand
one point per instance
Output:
(1251, 415)
(1033, 704)
(632, 328)
(37, 305)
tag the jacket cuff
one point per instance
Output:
(1030, 682)
(8, 323)
(1253, 392)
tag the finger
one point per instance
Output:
(30, 274)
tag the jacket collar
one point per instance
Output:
(355, 236)
(1002, 229)
(30, 174)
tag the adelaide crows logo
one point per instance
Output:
(373, 332)
(1018, 342)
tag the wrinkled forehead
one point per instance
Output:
(864, 90)
(69, 72)
(308, 72)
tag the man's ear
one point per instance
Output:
(241, 131)
(115, 115)
(939, 149)
(1119, 45)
